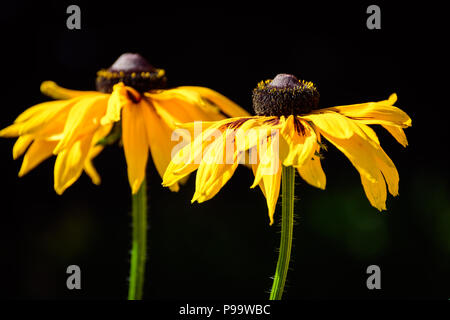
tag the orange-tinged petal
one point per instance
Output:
(36, 153)
(51, 89)
(135, 145)
(70, 162)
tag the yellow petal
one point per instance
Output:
(51, 89)
(368, 131)
(227, 106)
(381, 112)
(271, 189)
(40, 120)
(117, 100)
(375, 191)
(216, 168)
(180, 166)
(70, 162)
(360, 153)
(210, 179)
(135, 145)
(94, 150)
(372, 163)
(175, 111)
(83, 118)
(36, 153)
(92, 172)
(311, 171)
(302, 145)
(388, 170)
(159, 140)
(333, 123)
(267, 158)
(397, 133)
(267, 173)
(21, 145)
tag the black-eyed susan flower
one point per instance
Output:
(286, 134)
(130, 103)
(131, 91)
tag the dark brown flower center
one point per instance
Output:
(284, 95)
(134, 71)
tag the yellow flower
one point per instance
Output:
(130, 91)
(287, 130)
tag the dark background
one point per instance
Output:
(224, 248)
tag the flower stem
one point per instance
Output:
(139, 245)
(287, 226)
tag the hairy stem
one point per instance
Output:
(287, 226)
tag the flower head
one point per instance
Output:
(288, 130)
(131, 92)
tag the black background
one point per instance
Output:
(224, 248)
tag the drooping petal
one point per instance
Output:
(21, 145)
(368, 131)
(176, 111)
(36, 153)
(159, 139)
(381, 112)
(216, 168)
(270, 184)
(398, 133)
(301, 140)
(375, 191)
(135, 145)
(70, 162)
(388, 170)
(95, 149)
(117, 100)
(51, 89)
(227, 106)
(311, 171)
(333, 123)
(40, 120)
(267, 158)
(189, 157)
(372, 164)
(360, 153)
(83, 118)
(267, 172)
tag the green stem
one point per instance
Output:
(287, 226)
(139, 245)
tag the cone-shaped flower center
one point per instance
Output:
(284, 95)
(134, 71)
